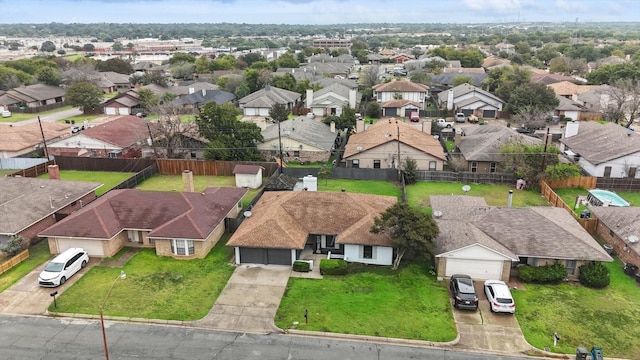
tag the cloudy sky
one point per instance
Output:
(315, 11)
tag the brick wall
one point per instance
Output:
(626, 253)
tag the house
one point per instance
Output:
(248, 176)
(30, 205)
(490, 242)
(568, 108)
(401, 58)
(116, 81)
(619, 227)
(182, 225)
(17, 141)
(548, 79)
(401, 90)
(570, 90)
(122, 104)
(480, 146)
(260, 102)
(284, 223)
(596, 99)
(331, 99)
(302, 139)
(602, 150)
(379, 145)
(121, 137)
(448, 80)
(469, 99)
(33, 96)
(198, 99)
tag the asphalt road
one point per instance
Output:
(49, 338)
(60, 115)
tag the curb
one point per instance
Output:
(374, 339)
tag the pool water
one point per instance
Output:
(598, 197)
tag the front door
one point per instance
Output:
(135, 236)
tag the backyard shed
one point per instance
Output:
(248, 176)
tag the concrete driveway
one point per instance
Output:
(249, 301)
(28, 298)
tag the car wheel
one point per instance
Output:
(84, 263)
(62, 280)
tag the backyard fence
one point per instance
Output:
(22, 256)
(467, 177)
(102, 164)
(585, 182)
(554, 199)
(139, 177)
(20, 163)
(34, 171)
(620, 184)
(211, 168)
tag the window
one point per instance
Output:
(376, 164)
(296, 153)
(151, 241)
(355, 163)
(632, 172)
(193, 155)
(473, 167)
(570, 265)
(367, 252)
(607, 171)
(493, 167)
(432, 165)
(182, 247)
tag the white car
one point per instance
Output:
(499, 296)
(311, 115)
(6, 113)
(63, 267)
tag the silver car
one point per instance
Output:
(499, 296)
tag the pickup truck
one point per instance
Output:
(444, 123)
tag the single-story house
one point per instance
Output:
(30, 205)
(603, 150)
(378, 146)
(570, 109)
(182, 225)
(122, 104)
(490, 242)
(284, 223)
(25, 139)
(248, 176)
(198, 99)
(302, 139)
(619, 227)
(260, 102)
(33, 96)
(469, 99)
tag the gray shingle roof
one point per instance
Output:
(484, 143)
(269, 96)
(623, 221)
(599, 143)
(307, 131)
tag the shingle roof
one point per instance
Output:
(599, 143)
(387, 131)
(183, 215)
(218, 96)
(284, 219)
(565, 88)
(484, 143)
(123, 132)
(281, 182)
(567, 104)
(37, 92)
(465, 88)
(400, 86)
(623, 221)
(16, 138)
(449, 78)
(25, 201)
(268, 96)
(304, 130)
(246, 169)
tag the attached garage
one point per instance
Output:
(477, 269)
(391, 111)
(490, 114)
(478, 261)
(265, 256)
(92, 247)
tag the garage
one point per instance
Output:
(390, 111)
(477, 269)
(491, 114)
(265, 256)
(467, 112)
(92, 247)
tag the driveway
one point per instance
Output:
(26, 297)
(250, 300)
(484, 330)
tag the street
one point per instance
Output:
(60, 115)
(49, 338)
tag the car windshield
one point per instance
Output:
(54, 267)
(466, 286)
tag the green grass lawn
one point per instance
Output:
(360, 186)
(108, 178)
(406, 303)
(200, 182)
(155, 287)
(38, 254)
(16, 116)
(494, 195)
(585, 317)
(569, 196)
(4, 172)
(79, 119)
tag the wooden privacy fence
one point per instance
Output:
(212, 168)
(585, 182)
(22, 256)
(554, 199)
(34, 171)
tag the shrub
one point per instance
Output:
(333, 267)
(548, 274)
(13, 246)
(301, 266)
(594, 275)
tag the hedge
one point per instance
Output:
(548, 274)
(333, 267)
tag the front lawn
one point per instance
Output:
(38, 254)
(155, 287)
(406, 303)
(584, 317)
(495, 195)
(17, 116)
(109, 178)
(360, 186)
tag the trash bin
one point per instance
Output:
(630, 269)
(638, 278)
(596, 353)
(608, 248)
(581, 353)
(585, 214)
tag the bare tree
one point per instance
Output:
(80, 72)
(371, 76)
(174, 134)
(621, 102)
(530, 117)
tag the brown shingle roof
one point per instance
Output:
(123, 132)
(246, 169)
(184, 215)
(401, 86)
(15, 138)
(284, 219)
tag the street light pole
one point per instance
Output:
(122, 276)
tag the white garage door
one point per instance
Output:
(110, 111)
(92, 247)
(123, 111)
(477, 269)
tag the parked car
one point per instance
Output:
(6, 113)
(444, 123)
(463, 292)
(499, 296)
(472, 119)
(460, 117)
(311, 115)
(63, 267)
(414, 116)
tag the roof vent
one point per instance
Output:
(633, 239)
(359, 148)
(437, 214)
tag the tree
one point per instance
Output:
(251, 58)
(147, 98)
(347, 118)
(530, 117)
(183, 70)
(88, 47)
(527, 161)
(325, 173)
(287, 60)
(13, 246)
(373, 109)
(49, 76)
(202, 65)
(421, 77)
(370, 76)
(462, 79)
(182, 58)
(84, 95)
(48, 46)
(410, 168)
(173, 132)
(286, 81)
(411, 231)
(623, 104)
(279, 112)
(532, 95)
(117, 46)
(229, 138)
(116, 65)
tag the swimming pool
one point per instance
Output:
(599, 197)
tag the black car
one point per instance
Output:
(464, 292)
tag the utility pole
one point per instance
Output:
(44, 140)
(155, 152)
(399, 163)
(544, 154)
(280, 145)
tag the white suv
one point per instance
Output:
(499, 296)
(63, 267)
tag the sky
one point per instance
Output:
(319, 12)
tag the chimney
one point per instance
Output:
(457, 137)
(332, 127)
(450, 100)
(359, 125)
(187, 180)
(426, 126)
(309, 99)
(510, 200)
(352, 98)
(204, 92)
(191, 90)
(571, 129)
(54, 172)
